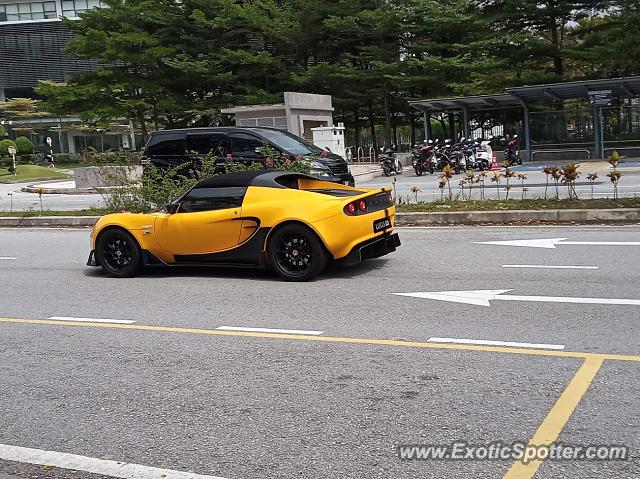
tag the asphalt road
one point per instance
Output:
(171, 391)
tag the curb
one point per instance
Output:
(49, 221)
(66, 191)
(615, 215)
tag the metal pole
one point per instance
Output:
(527, 131)
(601, 152)
(427, 126)
(466, 126)
(596, 131)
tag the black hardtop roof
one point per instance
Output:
(263, 177)
(216, 129)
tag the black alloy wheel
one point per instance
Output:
(296, 254)
(118, 253)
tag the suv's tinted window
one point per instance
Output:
(207, 199)
(204, 144)
(166, 146)
(245, 145)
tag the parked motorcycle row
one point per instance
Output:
(465, 155)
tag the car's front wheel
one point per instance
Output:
(118, 253)
(296, 253)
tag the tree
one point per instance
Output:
(170, 63)
(536, 39)
(608, 45)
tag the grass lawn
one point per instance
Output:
(533, 204)
(29, 173)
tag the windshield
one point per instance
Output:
(290, 143)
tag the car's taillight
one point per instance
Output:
(362, 206)
(350, 209)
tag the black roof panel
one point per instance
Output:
(264, 177)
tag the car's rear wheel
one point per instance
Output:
(296, 253)
(118, 253)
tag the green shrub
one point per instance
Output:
(157, 188)
(4, 147)
(24, 145)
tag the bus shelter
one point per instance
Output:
(580, 119)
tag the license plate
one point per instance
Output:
(381, 225)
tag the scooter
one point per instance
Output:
(422, 158)
(389, 162)
(484, 155)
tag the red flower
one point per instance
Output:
(229, 157)
(298, 157)
(287, 162)
(269, 162)
(324, 154)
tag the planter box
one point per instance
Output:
(104, 176)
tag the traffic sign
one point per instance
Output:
(600, 97)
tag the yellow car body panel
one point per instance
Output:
(175, 238)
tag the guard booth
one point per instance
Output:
(559, 121)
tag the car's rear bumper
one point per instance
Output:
(373, 248)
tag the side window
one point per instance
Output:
(202, 144)
(166, 147)
(245, 145)
(207, 199)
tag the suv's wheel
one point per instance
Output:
(118, 254)
(296, 254)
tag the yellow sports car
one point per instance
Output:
(290, 222)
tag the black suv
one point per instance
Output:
(174, 147)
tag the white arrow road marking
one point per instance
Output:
(485, 342)
(550, 243)
(6, 258)
(544, 266)
(91, 464)
(92, 320)
(267, 330)
(483, 296)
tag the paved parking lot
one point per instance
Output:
(234, 374)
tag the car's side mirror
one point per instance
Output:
(172, 208)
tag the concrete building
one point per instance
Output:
(32, 38)
(299, 113)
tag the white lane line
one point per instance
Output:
(6, 258)
(267, 330)
(544, 266)
(92, 320)
(484, 342)
(93, 465)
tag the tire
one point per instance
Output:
(431, 170)
(386, 170)
(296, 254)
(398, 167)
(118, 253)
(418, 171)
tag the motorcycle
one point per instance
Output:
(456, 156)
(389, 162)
(422, 158)
(511, 152)
(484, 155)
(469, 147)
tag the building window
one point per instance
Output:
(13, 12)
(71, 8)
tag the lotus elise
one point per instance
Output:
(290, 222)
